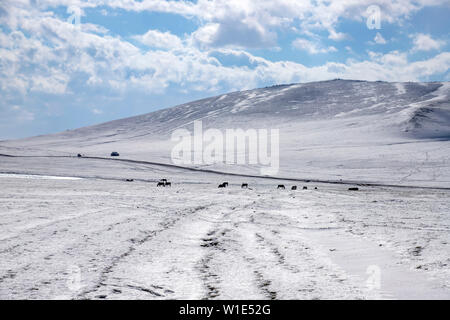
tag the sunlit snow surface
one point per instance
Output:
(33, 176)
(396, 133)
(102, 237)
(73, 228)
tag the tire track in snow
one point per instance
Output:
(215, 242)
(211, 280)
(284, 263)
(135, 244)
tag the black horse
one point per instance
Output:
(294, 188)
(281, 186)
(244, 186)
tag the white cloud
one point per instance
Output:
(349, 49)
(89, 27)
(424, 42)
(263, 17)
(235, 33)
(21, 115)
(56, 55)
(157, 39)
(206, 34)
(337, 36)
(255, 24)
(55, 82)
(311, 47)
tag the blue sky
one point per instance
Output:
(66, 64)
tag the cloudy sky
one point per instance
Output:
(71, 63)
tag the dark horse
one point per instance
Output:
(294, 188)
(160, 184)
(244, 186)
(281, 186)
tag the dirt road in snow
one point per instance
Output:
(106, 239)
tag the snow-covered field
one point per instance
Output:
(103, 237)
(73, 228)
(379, 132)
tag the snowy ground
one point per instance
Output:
(378, 132)
(101, 237)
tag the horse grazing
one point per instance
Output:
(294, 188)
(305, 188)
(281, 186)
(244, 186)
(225, 184)
(160, 184)
(168, 184)
(222, 185)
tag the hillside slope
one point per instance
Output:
(341, 129)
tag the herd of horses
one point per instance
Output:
(165, 183)
(280, 186)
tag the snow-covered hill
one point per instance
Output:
(341, 129)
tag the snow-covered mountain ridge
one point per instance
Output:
(339, 129)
